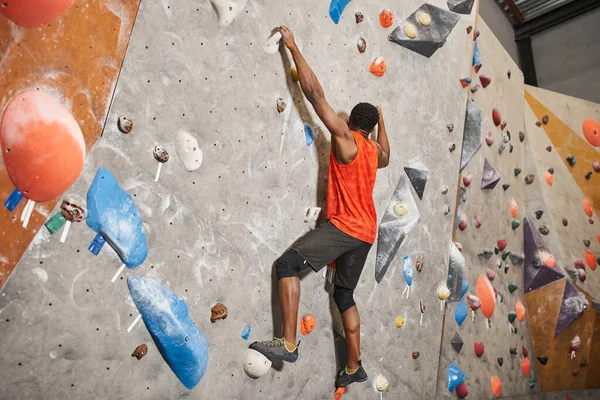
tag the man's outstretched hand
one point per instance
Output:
(380, 113)
(288, 37)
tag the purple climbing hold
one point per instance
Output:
(573, 304)
(490, 176)
(536, 273)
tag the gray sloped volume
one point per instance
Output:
(471, 135)
(417, 174)
(461, 6)
(429, 38)
(394, 228)
(455, 274)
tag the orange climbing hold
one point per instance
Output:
(307, 324)
(514, 208)
(520, 309)
(496, 386)
(42, 145)
(591, 131)
(32, 13)
(590, 259)
(548, 259)
(485, 292)
(526, 366)
(587, 207)
(339, 392)
(386, 18)
(378, 66)
(549, 178)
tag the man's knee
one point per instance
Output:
(289, 264)
(344, 298)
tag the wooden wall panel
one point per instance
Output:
(76, 59)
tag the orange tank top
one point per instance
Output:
(350, 205)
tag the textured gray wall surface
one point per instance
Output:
(567, 57)
(500, 26)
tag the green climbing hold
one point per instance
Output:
(513, 351)
(512, 316)
(514, 330)
(512, 287)
(505, 255)
(532, 382)
(505, 186)
(517, 171)
(56, 222)
(515, 224)
(571, 160)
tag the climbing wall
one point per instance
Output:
(76, 60)
(570, 237)
(484, 218)
(213, 234)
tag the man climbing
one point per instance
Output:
(351, 225)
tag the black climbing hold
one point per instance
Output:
(571, 160)
(565, 222)
(500, 361)
(517, 171)
(551, 170)
(538, 214)
(457, 342)
(431, 37)
(521, 136)
(496, 250)
(545, 119)
(586, 243)
(544, 230)
(506, 269)
(588, 175)
(417, 175)
(548, 149)
(543, 360)
(505, 186)
(513, 351)
(510, 148)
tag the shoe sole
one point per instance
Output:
(272, 355)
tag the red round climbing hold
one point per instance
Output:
(42, 145)
(462, 391)
(496, 117)
(386, 18)
(479, 348)
(32, 13)
(485, 80)
(590, 259)
(591, 131)
(485, 292)
(587, 207)
(501, 244)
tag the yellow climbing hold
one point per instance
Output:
(443, 292)
(410, 30)
(424, 19)
(295, 74)
(399, 322)
(400, 209)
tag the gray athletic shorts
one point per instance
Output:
(327, 243)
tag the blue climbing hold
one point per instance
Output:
(13, 200)
(96, 244)
(465, 287)
(176, 336)
(476, 55)
(246, 332)
(308, 132)
(336, 8)
(456, 377)
(460, 312)
(407, 270)
(113, 214)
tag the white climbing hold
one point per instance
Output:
(312, 214)
(271, 46)
(255, 364)
(381, 383)
(188, 150)
(226, 12)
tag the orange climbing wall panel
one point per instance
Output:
(543, 306)
(76, 59)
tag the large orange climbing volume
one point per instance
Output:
(486, 294)
(32, 13)
(42, 145)
(591, 131)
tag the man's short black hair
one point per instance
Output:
(364, 116)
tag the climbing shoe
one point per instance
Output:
(276, 349)
(344, 378)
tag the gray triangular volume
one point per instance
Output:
(429, 37)
(461, 6)
(471, 135)
(455, 274)
(417, 175)
(572, 305)
(457, 342)
(394, 228)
